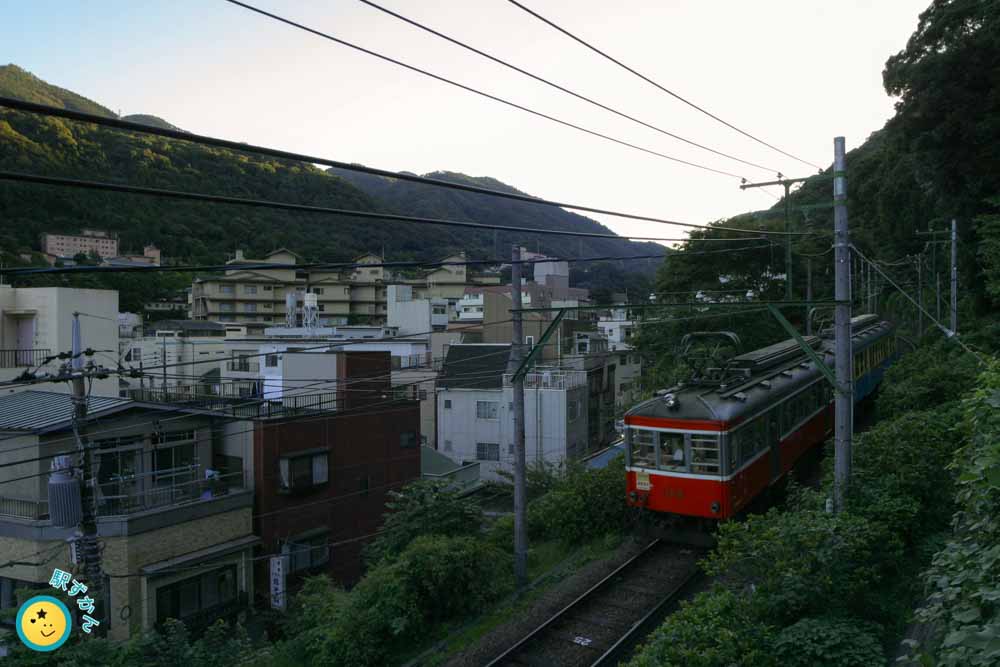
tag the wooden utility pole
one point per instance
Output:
(844, 404)
(954, 275)
(517, 386)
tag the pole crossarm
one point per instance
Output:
(536, 349)
(783, 181)
(811, 353)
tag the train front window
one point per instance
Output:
(643, 448)
(672, 452)
(705, 454)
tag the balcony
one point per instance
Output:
(23, 358)
(131, 494)
(557, 379)
(20, 508)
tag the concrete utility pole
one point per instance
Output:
(920, 296)
(787, 184)
(88, 548)
(954, 275)
(809, 295)
(844, 405)
(520, 491)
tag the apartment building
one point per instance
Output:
(619, 328)
(174, 506)
(174, 356)
(351, 296)
(86, 242)
(36, 323)
(475, 421)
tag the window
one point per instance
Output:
(304, 471)
(321, 306)
(486, 409)
(487, 451)
(271, 360)
(408, 440)
(529, 341)
(317, 290)
(267, 288)
(439, 310)
(250, 307)
(447, 445)
(572, 410)
(705, 454)
(421, 394)
(249, 289)
(227, 318)
(226, 307)
(204, 592)
(306, 553)
(447, 404)
(643, 448)
(268, 306)
(226, 289)
(672, 452)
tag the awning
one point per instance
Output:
(204, 554)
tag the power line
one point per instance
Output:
(240, 147)
(654, 83)
(479, 92)
(563, 89)
(304, 208)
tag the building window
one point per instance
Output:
(317, 290)
(573, 410)
(487, 451)
(486, 409)
(271, 360)
(268, 306)
(439, 310)
(227, 318)
(529, 341)
(408, 440)
(307, 553)
(304, 472)
(226, 289)
(321, 306)
(249, 289)
(422, 394)
(267, 288)
(195, 595)
(226, 308)
(250, 307)
(447, 404)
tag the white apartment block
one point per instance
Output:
(89, 240)
(37, 323)
(475, 421)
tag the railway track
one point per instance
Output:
(600, 626)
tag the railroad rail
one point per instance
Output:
(598, 627)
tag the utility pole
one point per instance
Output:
(920, 296)
(517, 385)
(809, 294)
(87, 543)
(787, 184)
(844, 405)
(954, 275)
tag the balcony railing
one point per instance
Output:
(550, 380)
(243, 366)
(24, 509)
(23, 358)
(137, 493)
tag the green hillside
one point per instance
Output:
(190, 232)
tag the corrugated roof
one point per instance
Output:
(42, 410)
(474, 367)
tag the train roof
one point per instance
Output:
(754, 380)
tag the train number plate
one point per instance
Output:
(583, 641)
(642, 481)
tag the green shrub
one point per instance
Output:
(716, 628)
(828, 642)
(584, 503)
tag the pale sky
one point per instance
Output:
(793, 72)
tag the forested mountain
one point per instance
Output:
(207, 233)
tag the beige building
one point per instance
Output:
(258, 296)
(87, 241)
(37, 323)
(174, 505)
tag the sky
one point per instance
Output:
(794, 73)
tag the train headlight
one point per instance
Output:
(715, 508)
(670, 400)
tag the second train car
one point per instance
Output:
(707, 449)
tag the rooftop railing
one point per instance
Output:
(23, 358)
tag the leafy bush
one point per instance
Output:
(583, 503)
(425, 507)
(715, 628)
(828, 642)
(926, 379)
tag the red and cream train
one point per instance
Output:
(708, 449)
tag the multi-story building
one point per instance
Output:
(36, 323)
(358, 295)
(619, 329)
(173, 499)
(87, 241)
(475, 411)
(174, 356)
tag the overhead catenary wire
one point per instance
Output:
(181, 135)
(481, 93)
(653, 83)
(559, 87)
